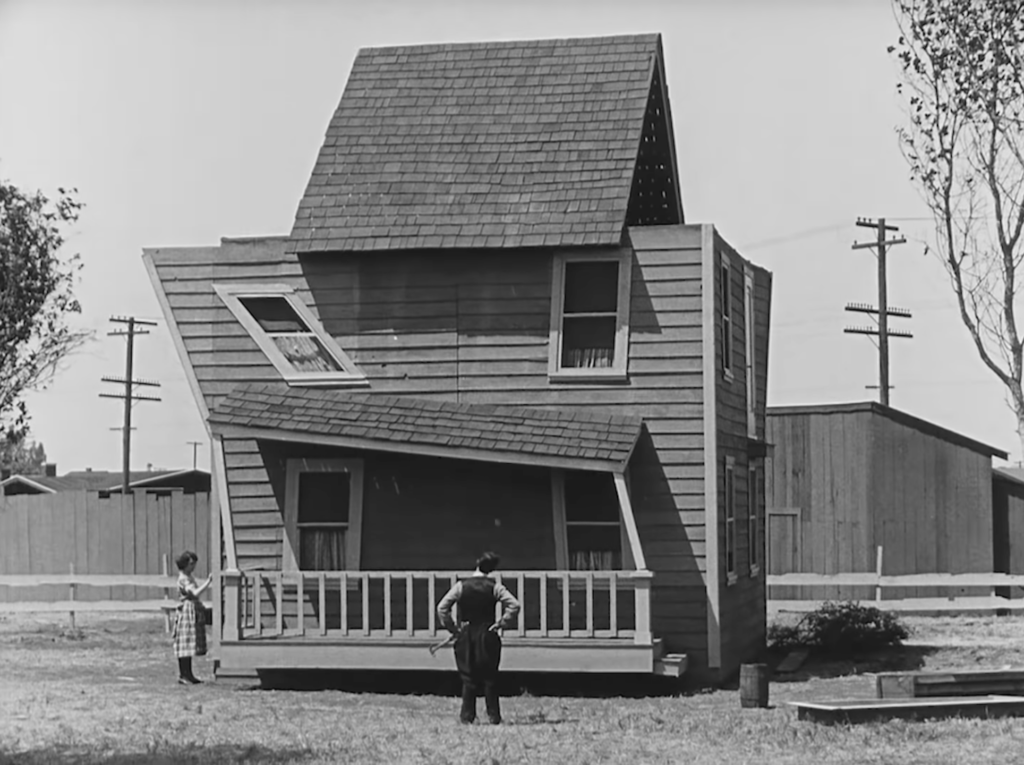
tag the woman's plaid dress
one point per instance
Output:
(189, 626)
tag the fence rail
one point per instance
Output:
(952, 603)
(74, 605)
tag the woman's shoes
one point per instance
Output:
(189, 681)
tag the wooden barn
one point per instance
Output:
(489, 328)
(1008, 522)
(844, 479)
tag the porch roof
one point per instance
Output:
(494, 433)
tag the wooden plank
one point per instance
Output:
(204, 548)
(60, 581)
(874, 710)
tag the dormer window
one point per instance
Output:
(589, 316)
(289, 334)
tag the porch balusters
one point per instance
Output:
(538, 617)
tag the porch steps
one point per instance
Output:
(671, 665)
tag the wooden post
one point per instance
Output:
(878, 573)
(167, 595)
(232, 580)
(71, 593)
(642, 594)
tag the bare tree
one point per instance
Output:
(962, 63)
(36, 298)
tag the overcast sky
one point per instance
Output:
(181, 122)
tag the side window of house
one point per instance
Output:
(725, 277)
(589, 322)
(592, 530)
(748, 329)
(730, 518)
(753, 521)
(289, 334)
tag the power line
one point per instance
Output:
(883, 312)
(129, 383)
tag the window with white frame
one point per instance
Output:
(730, 518)
(754, 543)
(292, 338)
(748, 330)
(323, 514)
(725, 277)
(587, 512)
(590, 315)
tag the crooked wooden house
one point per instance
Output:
(489, 328)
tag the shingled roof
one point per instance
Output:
(501, 144)
(400, 423)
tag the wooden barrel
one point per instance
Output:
(754, 685)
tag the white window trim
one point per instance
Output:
(730, 501)
(754, 543)
(231, 294)
(616, 372)
(727, 317)
(561, 527)
(748, 328)
(353, 539)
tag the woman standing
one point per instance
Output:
(190, 624)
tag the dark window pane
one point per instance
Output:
(591, 287)
(588, 343)
(323, 497)
(274, 314)
(322, 549)
(590, 497)
(594, 548)
(306, 354)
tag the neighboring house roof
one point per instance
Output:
(497, 144)
(96, 480)
(895, 415)
(580, 439)
(1012, 475)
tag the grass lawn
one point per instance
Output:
(108, 694)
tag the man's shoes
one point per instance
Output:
(495, 720)
(464, 721)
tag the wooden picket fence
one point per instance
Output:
(84, 533)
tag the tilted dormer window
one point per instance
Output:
(289, 334)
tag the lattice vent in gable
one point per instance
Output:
(654, 198)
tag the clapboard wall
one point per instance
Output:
(474, 327)
(46, 533)
(846, 479)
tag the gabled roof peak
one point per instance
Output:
(496, 144)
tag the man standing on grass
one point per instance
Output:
(477, 644)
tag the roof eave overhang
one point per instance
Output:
(28, 482)
(425, 450)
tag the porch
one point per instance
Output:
(570, 621)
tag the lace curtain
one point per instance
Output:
(322, 549)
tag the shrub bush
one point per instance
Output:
(841, 629)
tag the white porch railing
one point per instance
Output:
(403, 604)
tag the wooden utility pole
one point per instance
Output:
(129, 394)
(195, 446)
(883, 310)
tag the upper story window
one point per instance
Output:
(289, 334)
(730, 519)
(590, 315)
(727, 316)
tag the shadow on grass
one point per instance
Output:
(908, 658)
(165, 755)
(586, 685)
